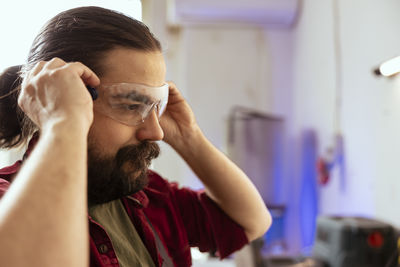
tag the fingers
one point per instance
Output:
(86, 74)
(56, 90)
(54, 63)
(36, 69)
(173, 90)
(172, 87)
(174, 95)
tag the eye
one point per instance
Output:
(129, 107)
(132, 107)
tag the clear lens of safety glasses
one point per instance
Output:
(131, 103)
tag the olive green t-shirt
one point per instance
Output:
(127, 244)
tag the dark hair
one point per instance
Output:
(10, 122)
(81, 34)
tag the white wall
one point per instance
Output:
(372, 107)
(218, 66)
(370, 110)
(292, 73)
(223, 66)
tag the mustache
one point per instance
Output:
(139, 156)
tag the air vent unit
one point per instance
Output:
(279, 13)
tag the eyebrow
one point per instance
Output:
(134, 96)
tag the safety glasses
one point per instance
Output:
(131, 103)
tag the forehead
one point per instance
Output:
(125, 65)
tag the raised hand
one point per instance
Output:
(56, 91)
(178, 121)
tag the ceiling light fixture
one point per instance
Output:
(389, 67)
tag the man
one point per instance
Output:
(88, 157)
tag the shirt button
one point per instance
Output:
(103, 248)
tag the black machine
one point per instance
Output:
(355, 242)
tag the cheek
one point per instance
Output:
(109, 135)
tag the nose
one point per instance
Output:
(150, 129)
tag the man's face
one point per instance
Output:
(119, 154)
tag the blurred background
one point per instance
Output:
(286, 88)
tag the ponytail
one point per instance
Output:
(11, 116)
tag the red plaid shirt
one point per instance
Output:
(182, 218)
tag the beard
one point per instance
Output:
(113, 177)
